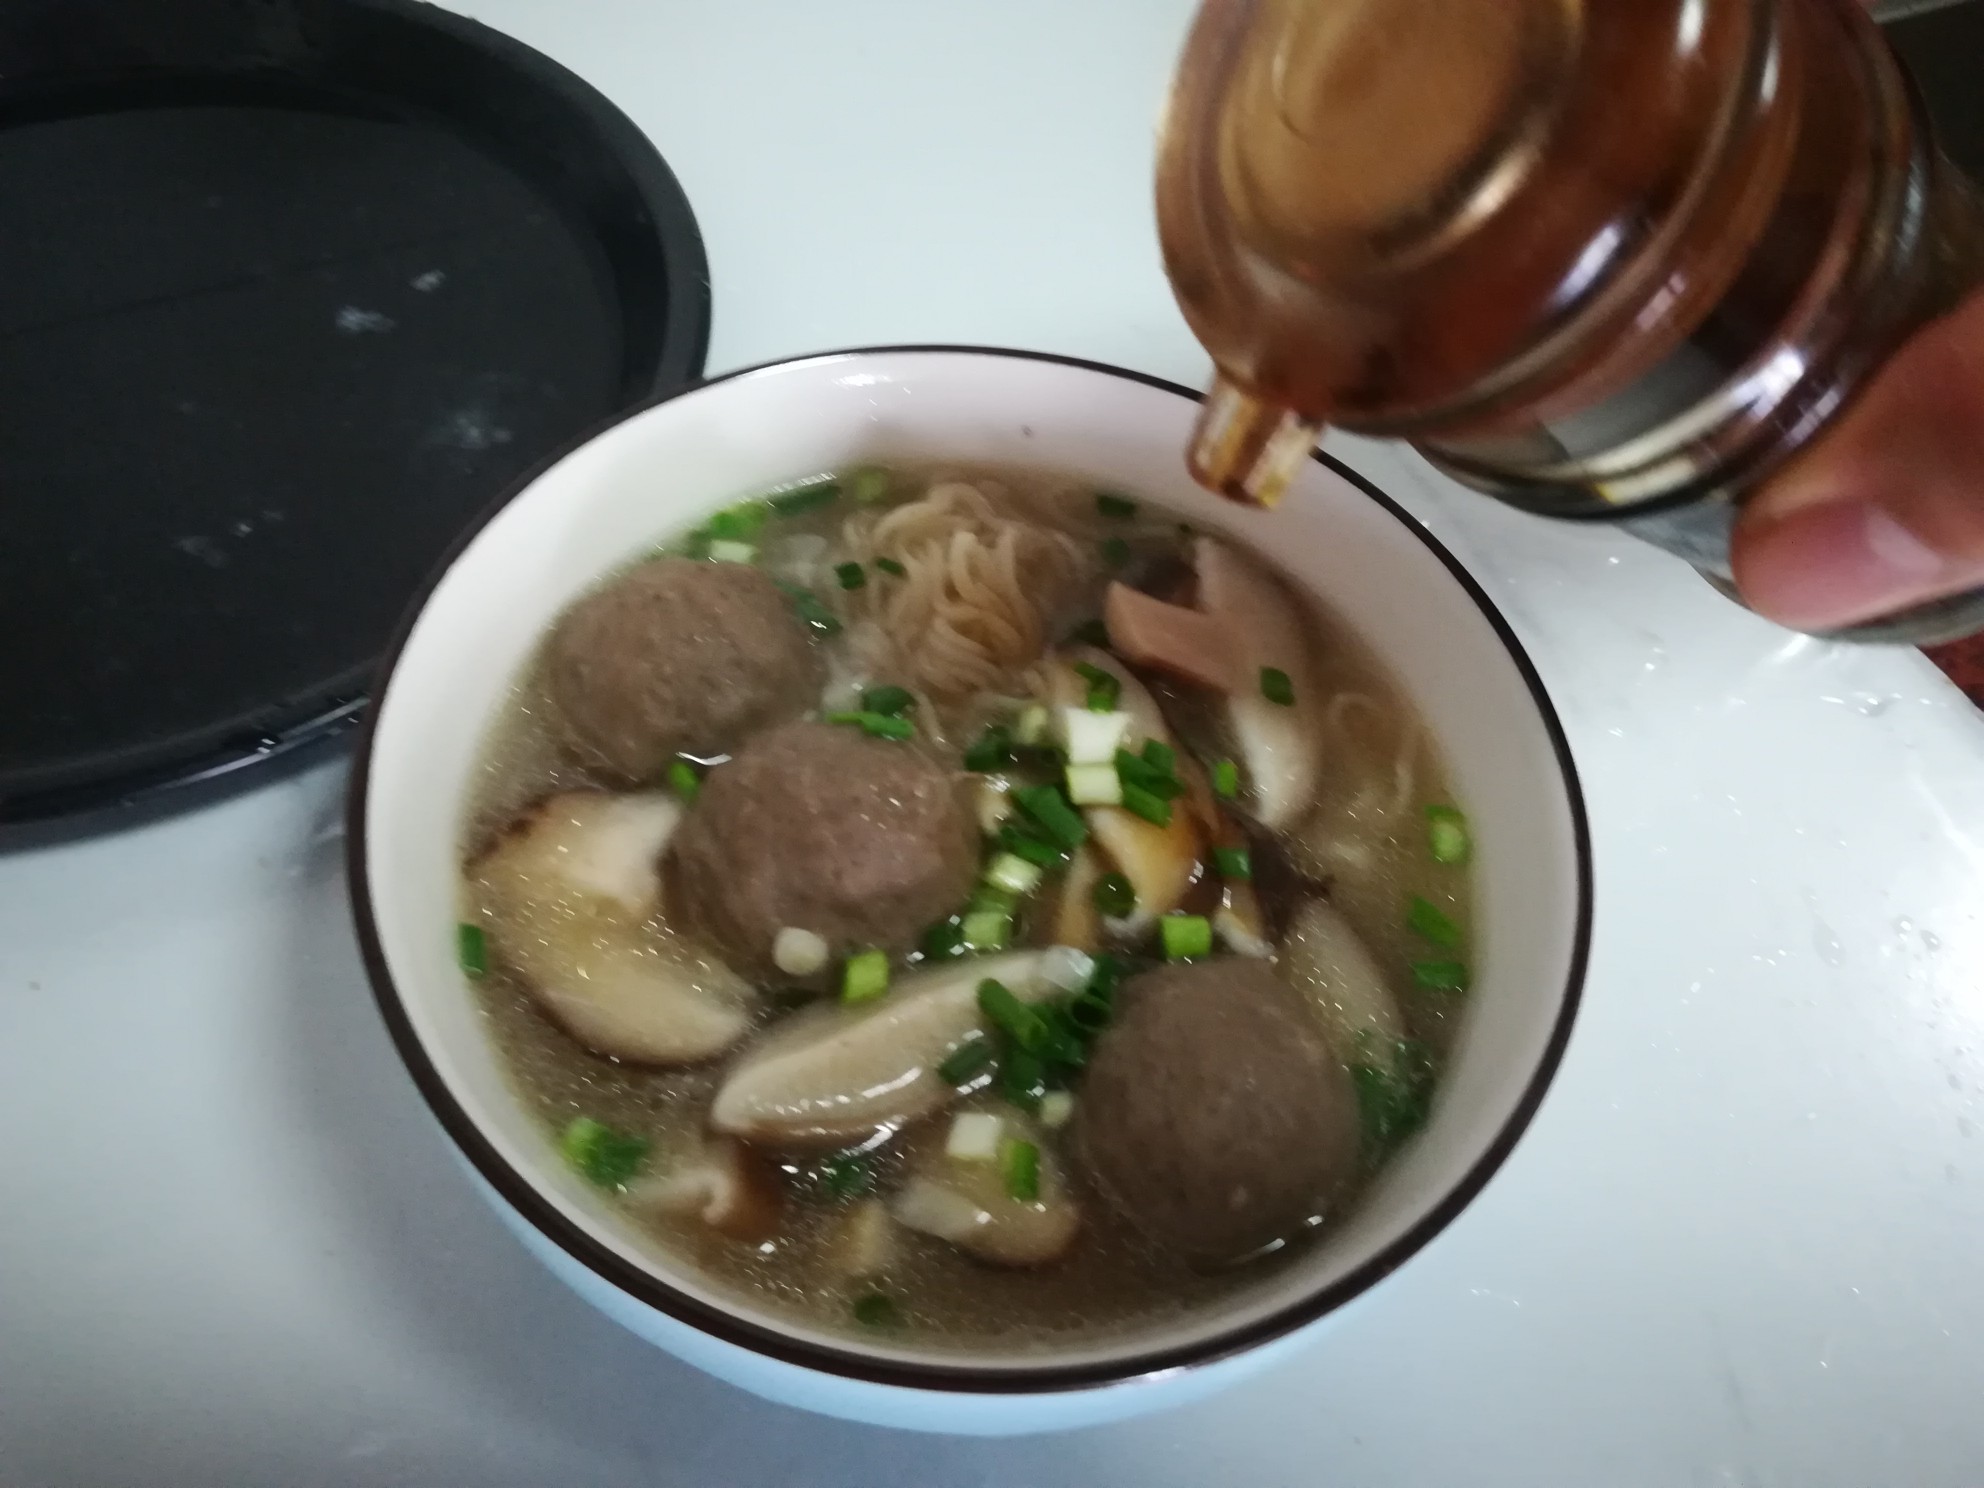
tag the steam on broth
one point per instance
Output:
(964, 904)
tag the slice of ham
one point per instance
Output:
(1188, 644)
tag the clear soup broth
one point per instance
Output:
(777, 802)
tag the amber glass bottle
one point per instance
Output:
(1603, 259)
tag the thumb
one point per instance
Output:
(1887, 511)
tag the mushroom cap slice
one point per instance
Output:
(1278, 745)
(1325, 959)
(829, 1076)
(966, 1204)
(568, 899)
(727, 1186)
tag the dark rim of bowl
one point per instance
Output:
(1019, 1379)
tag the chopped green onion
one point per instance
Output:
(806, 498)
(1115, 552)
(1446, 834)
(868, 485)
(1019, 1166)
(1104, 687)
(1160, 756)
(1235, 863)
(1426, 920)
(1057, 1109)
(1277, 688)
(1022, 841)
(1063, 1043)
(1394, 1096)
(943, 940)
(1096, 785)
(741, 523)
(1050, 808)
(1185, 936)
(1022, 1079)
(1090, 1014)
(1226, 780)
(890, 566)
(472, 950)
(993, 750)
(601, 1154)
(851, 575)
(876, 725)
(1013, 873)
(847, 1176)
(1012, 1017)
(988, 897)
(1152, 807)
(724, 551)
(987, 929)
(865, 977)
(1090, 633)
(683, 780)
(890, 702)
(874, 1310)
(811, 610)
(1091, 737)
(1441, 976)
(1116, 508)
(1114, 895)
(1141, 772)
(967, 1061)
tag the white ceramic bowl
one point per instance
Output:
(662, 469)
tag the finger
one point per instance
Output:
(1887, 511)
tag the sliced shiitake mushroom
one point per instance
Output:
(1325, 959)
(831, 1076)
(967, 1204)
(568, 899)
(726, 1186)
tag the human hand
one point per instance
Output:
(1887, 511)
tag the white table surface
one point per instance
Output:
(1740, 1245)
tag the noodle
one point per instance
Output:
(980, 593)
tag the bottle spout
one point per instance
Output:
(1246, 450)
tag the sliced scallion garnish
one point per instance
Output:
(1226, 780)
(851, 575)
(806, 498)
(1138, 771)
(723, 550)
(1022, 1079)
(875, 725)
(890, 566)
(847, 1176)
(684, 781)
(1185, 936)
(1426, 919)
(1023, 841)
(472, 950)
(890, 702)
(1234, 863)
(1019, 1166)
(812, 610)
(967, 1061)
(1010, 1016)
(1440, 976)
(1095, 785)
(1160, 756)
(943, 939)
(1116, 508)
(1446, 834)
(865, 977)
(987, 929)
(1104, 687)
(1051, 810)
(1114, 895)
(601, 1154)
(1013, 873)
(992, 750)
(741, 523)
(1153, 808)
(873, 1310)
(1277, 687)
(868, 484)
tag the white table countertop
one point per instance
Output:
(1738, 1247)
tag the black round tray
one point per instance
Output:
(291, 290)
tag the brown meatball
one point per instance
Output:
(863, 841)
(678, 657)
(1213, 1115)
